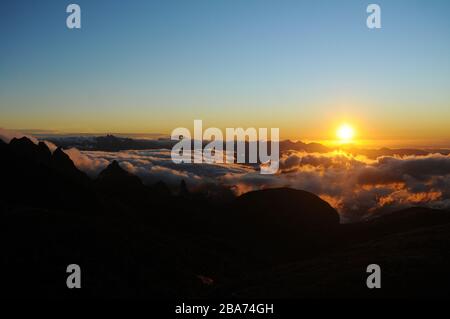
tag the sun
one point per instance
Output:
(345, 133)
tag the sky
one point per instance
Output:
(302, 66)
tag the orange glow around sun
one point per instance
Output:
(345, 133)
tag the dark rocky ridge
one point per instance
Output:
(134, 240)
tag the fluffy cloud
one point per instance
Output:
(155, 165)
(358, 186)
(91, 165)
(355, 185)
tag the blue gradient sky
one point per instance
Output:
(302, 66)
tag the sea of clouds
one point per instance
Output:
(355, 185)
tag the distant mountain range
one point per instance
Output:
(133, 240)
(111, 143)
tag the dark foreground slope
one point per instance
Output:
(133, 240)
(414, 264)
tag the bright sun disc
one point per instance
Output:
(345, 132)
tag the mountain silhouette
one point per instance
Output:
(118, 184)
(113, 143)
(64, 166)
(25, 148)
(139, 241)
(287, 208)
(115, 176)
(32, 175)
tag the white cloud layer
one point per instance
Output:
(355, 185)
